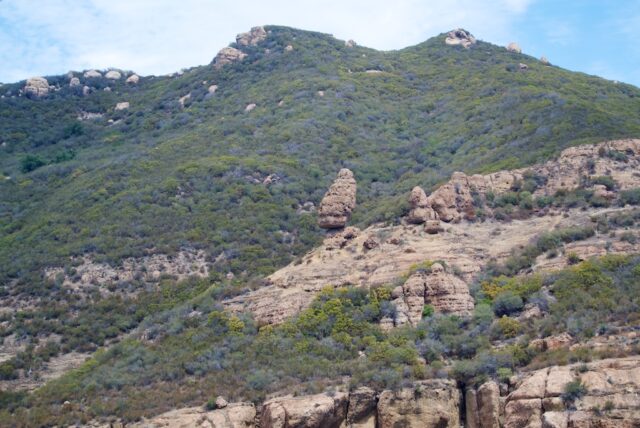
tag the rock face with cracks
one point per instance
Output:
(339, 201)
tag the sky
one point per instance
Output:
(48, 37)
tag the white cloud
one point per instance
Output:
(40, 37)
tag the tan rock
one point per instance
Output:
(288, 48)
(113, 75)
(460, 37)
(92, 74)
(555, 420)
(312, 411)
(252, 37)
(371, 243)
(184, 99)
(557, 380)
(226, 56)
(472, 417)
(420, 211)
(553, 404)
(514, 47)
(489, 405)
(122, 106)
(249, 107)
(362, 408)
(36, 87)
(133, 79)
(220, 402)
(429, 404)
(533, 386)
(350, 43)
(525, 413)
(74, 81)
(339, 201)
(235, 415)
(433, 226)
(212, 89)
(562, 340)
(544, 60)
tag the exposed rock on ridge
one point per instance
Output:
(226, 56)
(36, 87)
(336, 206)
(461, 37)
(252, 37)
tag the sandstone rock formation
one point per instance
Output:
(461, 37)
(339, 201)
(362, 408)
(182, 100)
(350, 43)
(249, 107)
(514, 47)
(92, 74)
(252, 37)
(235, 415)
(212, 89)
(429, 404)
(544, 60)
(86, 90)
(74, 81)
(288, 48)
(122, 106)
(313, 411)
(226, 56)
(436, 287)
(36, 87)
(421, 210)
(113, 75)
(133, 79)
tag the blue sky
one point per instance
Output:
(46, 37)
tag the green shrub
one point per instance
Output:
(507, 303)
(427, 311)
(30, 163)
(573, 391)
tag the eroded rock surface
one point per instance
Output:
(311, 411)
(339, 201)
(252, 37)
(226, 56)
(421, 210)
(36, 87)
(460, 37)
(235, 415)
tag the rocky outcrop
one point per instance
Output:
(36, 87)
(445, 292)
(133, 79)
(611, 400)
(362, 405)
(514, 47)
(544, 60)
(249, 107)
(421, 210)
(113, 75)
(122, 106)
(460, 37)
(350, 43)
(312, 411)
(212, 89)
(235, 415)
(184, 99)
(74, 81)
(432, 403)
(252, 37)
(226, 56)
(339, 201)
(92, 74)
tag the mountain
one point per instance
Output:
(141, 214)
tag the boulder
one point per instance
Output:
(362, 408)
(133, 79)
(312, 411)
(226, 56)
(252, 37)
(74, 81)
(370, 243)
(339, 201)
(350, 43)
(249, 107)
(288, 48)
(420, 211)
(471, 409)
(86, 90)
(489, 405)
(514, 47)
(433, 226)
(113, 75)
(523, 66)
(184, 99)
(431, 403)
(212, 89)
(36, 87)
(220, 402)
(235, 415)
(544, 60)
(122, 106)
(451, 200)
(92, 74)
(460, 37)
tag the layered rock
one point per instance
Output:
(235, 415)
(113, 75)
(444, 291)
(460, 37)
(36, 87)
(226, 56)
(421, 210)
(362, 408)
(312, 411)
(339, 201)
(252, 37)
(432, 403)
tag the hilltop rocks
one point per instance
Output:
(452, 199)
(92, 74)
(312, 411)
(461, 37)
(350, 43)
(421, 211)
(428, 404)
(436, 287)
(226, 56)
(74, 81)
(252, 37)
(514, 47)
(339, 201)
(36, 87)
(122, 106)
(544, 60)
(212, 89)
(133, 79)
(113, 75)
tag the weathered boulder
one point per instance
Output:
(249, 107)
(288, 48)
(350, 43)
(523, 413)
(362, 408)
(311, 411)
(252, 37)
(74, 81)
(113, 75)
(370, 243)
(183, 100)
(36, 87)
(133, 79)
(220, 402)
(122, 106)
(92, 74)
(514, 47)
(235, 415)
(421, 211)
(339, 201)
(460, 37)
(86, 90)
(436, 287)
(226, 56)
(452, 198)
(212, 89)
(544, 60)
(428, 404)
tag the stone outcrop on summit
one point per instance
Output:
(36, 87)
(421, 210)
(252, 37)
(460, 37)
(339, 201)
(514, 47)
(226, 56)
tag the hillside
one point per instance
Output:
(134, 226)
